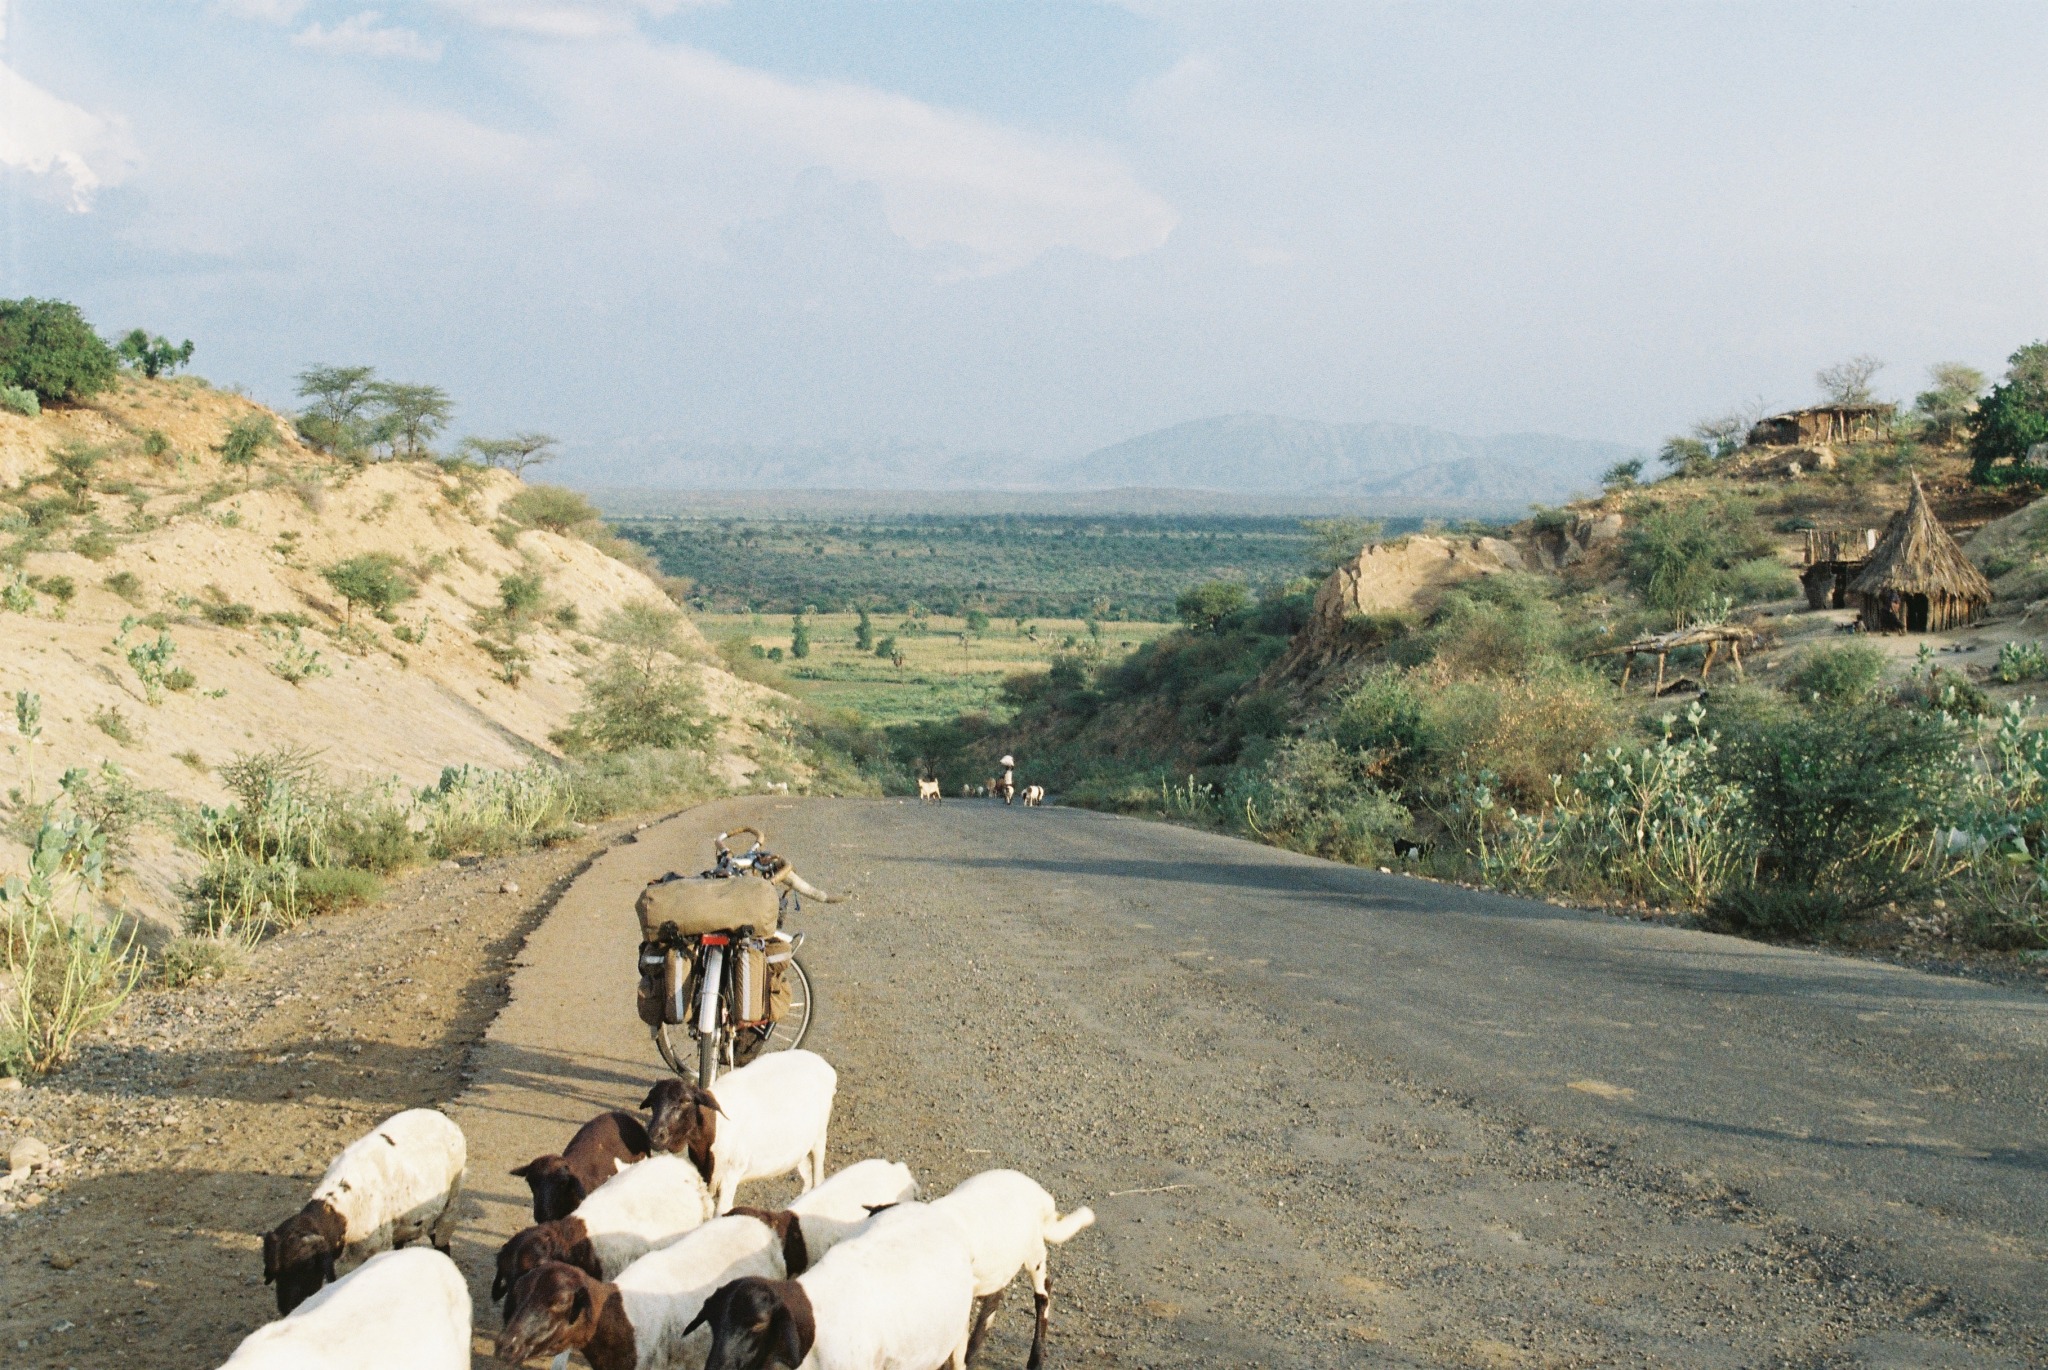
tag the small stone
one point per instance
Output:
(508, 887)
(28, 1153)
(9, 1083)
(58, 1260)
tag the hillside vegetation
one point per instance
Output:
(245, 678)
(1448, 700)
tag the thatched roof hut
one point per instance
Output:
(1917, 579)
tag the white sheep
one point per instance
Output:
(765, 1119)
(897, 1295)
(644, 1206)
(1006, 1218)
(388, 1189)
(646, 1319)
(819, 1220)
(1034, 795)
(399, 1308)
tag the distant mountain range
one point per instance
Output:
(1397, 465)
(1264, 454)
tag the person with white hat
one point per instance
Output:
(1009, 777)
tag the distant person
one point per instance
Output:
(1009, 783)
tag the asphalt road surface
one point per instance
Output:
(1330, 1117)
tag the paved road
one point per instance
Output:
(1331, 1117)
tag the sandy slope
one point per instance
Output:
(192, 532)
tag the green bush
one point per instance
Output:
(69, 971)
(1314, 796)
(1837, 675)
(2020, 661)
(1840, 797)
(228, 615)
(331, 889)
(1679, 558)
(2011, 419)
(1501, 625)
(1757, 580)
(127, 585)
(47, 347)
(190, 960)
(246, 439)
(633, 700)
(521, 594)
(17, 399)
(374, 579)
(551, 507)
(94, 544)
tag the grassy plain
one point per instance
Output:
(1069, 566)
(941, 676)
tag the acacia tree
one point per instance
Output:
(409, 416)
(336, 420)
(375, 579)
(1950, 399)
(152, 355)
(516, 454)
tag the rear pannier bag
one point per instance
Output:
(696, 905)
(751, 1006)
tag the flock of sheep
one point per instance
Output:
(638, 1257)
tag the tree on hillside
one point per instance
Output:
(375, 579)
(1849, 381)
(152, 355)
(1951, 397)
(1623, 475)
(336, 420)
(2011, 419)
(1334, 541)
(47, 346)
(1687, 456)
(515, 454)
(245, 441)
(864, 633)
(407, 417)
(799, 636)
(1204, 607)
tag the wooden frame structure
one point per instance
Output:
(1661, 645)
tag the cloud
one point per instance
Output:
(262, 11)
(360, 35)
(568, 19)
(945, 177)
(78, 151)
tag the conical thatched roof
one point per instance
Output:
(1916, 556)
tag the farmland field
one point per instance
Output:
(940, 677)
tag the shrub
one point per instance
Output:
(1677, 558)
(375, 579)
(17, 399)
(47, 347)
(228, 615)
(2020, 661)
(521, 594)
(632, 701)
(1837, 675)
(190, 960)
(127, 585)
(551, 507)
(331, 889)
(1840, 793)
(151, 661)
(1314, 796)
(95, 544)
(1759, 579)
(115, 724)
(60, 588)
(70, 973)
(295, 662)
(475, 810)
(1502, 625)
(245, 441)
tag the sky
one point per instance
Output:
(1036, 227)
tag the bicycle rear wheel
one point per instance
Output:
(686, 1056)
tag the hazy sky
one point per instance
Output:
(1037, 226)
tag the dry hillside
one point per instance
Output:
(166, 534)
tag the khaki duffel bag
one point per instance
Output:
(697, 905)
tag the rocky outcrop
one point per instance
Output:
(1407, 577)
(1556, 547)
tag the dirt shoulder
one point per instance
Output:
(206, 1115)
